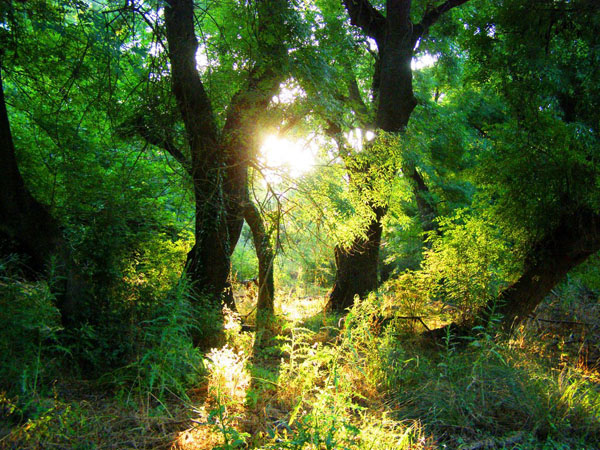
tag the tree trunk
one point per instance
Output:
(575, 238)
(266, 257)
(26, 226)
(356, 267)
(395, 96)
(219, 161)
(421, 193)
(396, 37)
(208, 262)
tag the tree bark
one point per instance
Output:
(26, 226)
(219, 161)
(208, 262)
(396, 37)
(356, 267)
(395, 92)
(575, 238)
(421, 192)
(266, 257)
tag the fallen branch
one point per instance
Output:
(565, 322)
(389, 319)
(420, 319)
(495, 443)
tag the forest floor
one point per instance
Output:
(320, 382)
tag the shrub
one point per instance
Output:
(167, 360)
(29, 321)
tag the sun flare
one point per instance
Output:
(292, 157)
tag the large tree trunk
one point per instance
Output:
(219, 161)
(356, 267)
(26, 226)
(575, 238)
(208, 262)
(395, 91)
(396, 37)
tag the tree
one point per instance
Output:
(396, 37)
(548, 141)
(219, 160)
(265, 254)
(26, 226)
(71, 160)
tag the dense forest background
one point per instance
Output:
(300, 224)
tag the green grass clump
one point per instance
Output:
(167, 360)
(491, 391)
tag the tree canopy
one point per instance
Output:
(442, 168)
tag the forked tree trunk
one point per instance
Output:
(219, 161)
(208, 262)
(396, 37)
(356, 267)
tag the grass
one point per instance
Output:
(324, 383)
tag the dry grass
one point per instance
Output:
(315, 379)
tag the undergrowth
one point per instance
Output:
(363, 381)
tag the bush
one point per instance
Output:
(29, 321)
(166, 360)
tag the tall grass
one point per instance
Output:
(490, 390)
(166, 360)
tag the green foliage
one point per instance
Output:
(124, 284)
(505, 137)
(465, 266)
(539, 163)
(493, 390)
(57, 422)
(232, 437)
(402, 243)
(166, 360)
(483, 389)
(324, 382)
(244, 263)
(468, 265)
(30, 324)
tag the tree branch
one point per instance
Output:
(358, 104)
(164, 142)
(432, 16)
(192, 99)
(370, 20)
